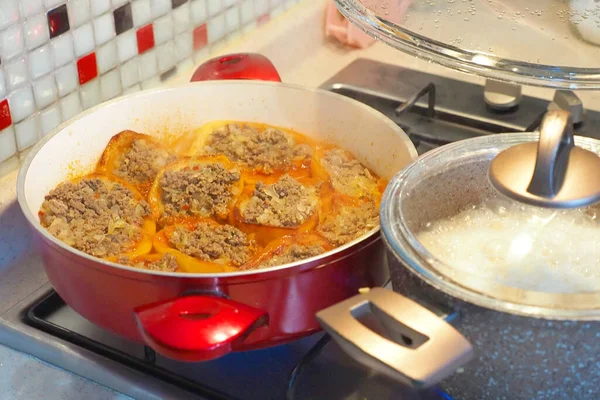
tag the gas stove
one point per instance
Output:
(431, 109)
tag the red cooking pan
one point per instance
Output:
(197, 317)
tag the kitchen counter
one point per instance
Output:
(307, 59)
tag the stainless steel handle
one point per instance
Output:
(437, 349)
(554, 147)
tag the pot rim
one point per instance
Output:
(34, 221)
(418, 260)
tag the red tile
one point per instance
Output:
(5, 118)
(200, 37)
(145, 38)
(87, 68)
(263, 19)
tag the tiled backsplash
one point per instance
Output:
(59, 57)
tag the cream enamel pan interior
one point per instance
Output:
(75, 147)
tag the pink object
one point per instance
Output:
(337, 26)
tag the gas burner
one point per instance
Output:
(434, 110)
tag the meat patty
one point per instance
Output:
(142, 161)
(268, 150)
(292, 254)
(349, 223)
(348, 175)
(222, 244)
(204, 190)
(96, 216)
(167, 263)
(285, 203)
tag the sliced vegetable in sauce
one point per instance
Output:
(229, 196)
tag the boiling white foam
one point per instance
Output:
(520, 246)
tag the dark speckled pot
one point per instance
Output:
(528, 345)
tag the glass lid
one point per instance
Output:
(443, 220)
(550, 43)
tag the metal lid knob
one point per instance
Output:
(551, 173)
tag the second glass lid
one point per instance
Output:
(550, 43)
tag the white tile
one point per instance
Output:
(163, 29)
(16, 73)
(67, 79)
(148, 65)
(2, 85)
(218, 48)
(9, 13)
(289, 4)
(106, 57)
(202, 55)
(183, 46)
(8, 144)
(118, 3)
(49, 119)
(141, 12)
(185, 65)
(160, 7)
(126, 45)
(79, 12)
(110, 85)
(90, 94)
(216, 28)
(27, 133)
(70, 106)
(36, 31)
(104, 28)
(52, 3)
(30, 7)
(181, 18)
(11, 42)
(166, 56)
(261, 7)
(249, 28)
(198, 12)
(232, 19)
(133, 89)
(99, 6)
(151, 83)
(277, 11)
(213, 7)
(21, 103)
(40, 62)
(129, 72)
(228, 3)
(246, 11)
(233, 38)
(62, 49)
(44, 91)
(83, 39)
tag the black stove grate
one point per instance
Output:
(37, 316)
(295, 384)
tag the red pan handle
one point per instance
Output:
(202, 327)
(197, 327)
(249, 66)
